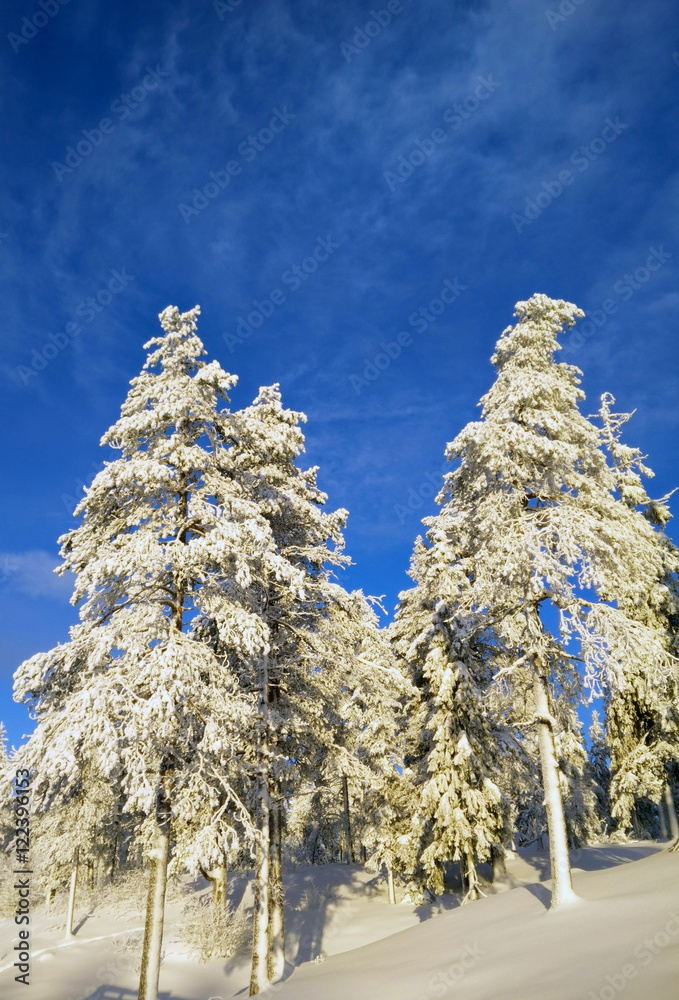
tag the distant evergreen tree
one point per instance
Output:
(599, 765)
(584, 822)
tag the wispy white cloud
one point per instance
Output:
(32, 573)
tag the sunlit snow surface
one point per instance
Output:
(345, 940)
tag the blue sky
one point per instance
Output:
(360, 162)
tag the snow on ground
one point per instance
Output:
(346, 941)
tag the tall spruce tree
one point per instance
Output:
(324, 710)
(531, 519)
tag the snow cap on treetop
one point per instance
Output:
(541, 319)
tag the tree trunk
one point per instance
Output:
(116, 840)
(662, 819)
(562, 883)
(671, 813)
(218, 877)
(155, 905)
(349, 849)
(71, 895)
(390, 883)
(498, 862)
(636, 825)
(114, 855)
(312, 842)
(471, 879)
(463, 874)
(570, 837)
(259, 977)
(276, 915)
(219, 887)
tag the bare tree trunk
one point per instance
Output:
(218, 877)
(662, 819)
(71, 895)
(498, 862)
(471, 879)
(259, 977)
(390, 883)
(312, 843)
(276, 913)
(114, 855)
(463, 874)
(349, 848)
(155, 903)
(219, 887)
(562, 882)
(671, 812)
(636, 825)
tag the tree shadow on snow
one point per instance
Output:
(588, 859)
(315, 901)
(83, 922)
(541, 892)
(106, 992)
(319, 900)
(450, 899)
(238, 883)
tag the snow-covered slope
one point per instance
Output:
(623, 936)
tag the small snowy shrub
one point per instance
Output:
(126, 893)
(312, 898)
(211, 931)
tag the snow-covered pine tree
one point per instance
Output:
(584, 823)
(456, 737)
(369, 713)
(71, 830)
(529, 513)
(324, 709)
(218, 832)
(166, 537)
(393, 833)
(267, 439)
(643, 709)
